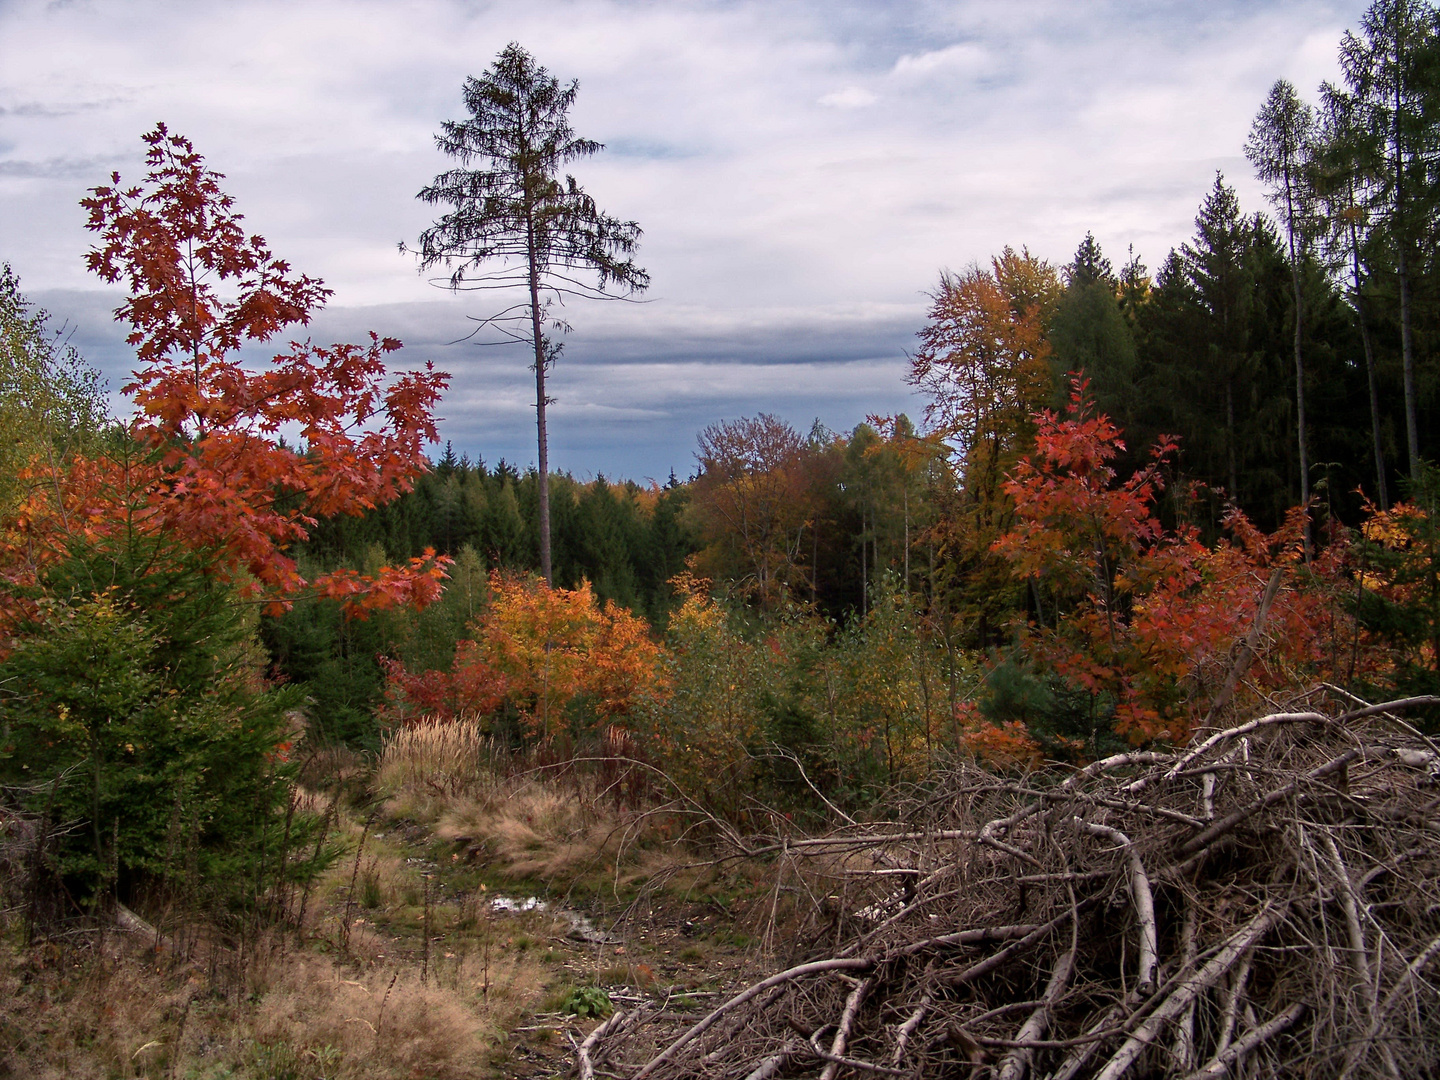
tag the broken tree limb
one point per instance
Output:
(1229, 821)
(798, 972)
(1249, 647)
(906, 1031)
(1183, 994)
(842, 1030)
(585, 1049)
(1221, 1064)
(1144, 901)
(1015, 1064)
(1241, 831)
(772, 1065)
(851, 1063)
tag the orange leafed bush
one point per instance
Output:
(538, 649)
(204, 465)
(1147, 617)
(1006, 746)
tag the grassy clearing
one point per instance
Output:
(530, 825)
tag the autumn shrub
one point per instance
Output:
(559, 663)
(712, 718)
(787, 710)
(1134, 624)
(1397, 598)
(889, 687)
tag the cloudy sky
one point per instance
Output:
(802, 169)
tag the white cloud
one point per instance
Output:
(851, 97)
(967, 59)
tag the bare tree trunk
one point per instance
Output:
(1407, 352)
(1230, 439)
(1299, 361)
(864, 569)
(1381, 488)
(905, 496)
(543, 474)
(1402, 269)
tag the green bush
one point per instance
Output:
(587, 1001)
(136, 720)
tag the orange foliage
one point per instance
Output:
(1005, 746)
(984, 358)
(206, 466)
(751, 498)
(538, 649)
(1144, 616)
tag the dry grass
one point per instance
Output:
(345, 998)
(434, 759)
(525, 823)
(288, 1015)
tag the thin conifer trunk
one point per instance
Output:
(543, 472)
(1402, 269)
(1381, 488)
(1299, 360)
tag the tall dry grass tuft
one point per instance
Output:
(529, 814)
(439, 758)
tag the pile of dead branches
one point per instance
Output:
(1264, 902)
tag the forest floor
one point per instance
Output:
(456, 936)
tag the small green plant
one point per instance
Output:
(370, 893)
(276, 1061)
(326, 1058)
(587, 1001)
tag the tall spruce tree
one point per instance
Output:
(1216, 267)
(1281, 141)
(1089, 333)
(516, 224)
(1090, 264)
(1341, 170)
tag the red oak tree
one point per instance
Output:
(206, 462)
